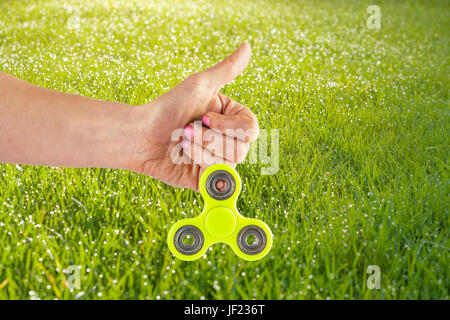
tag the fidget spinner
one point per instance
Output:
(220, 221)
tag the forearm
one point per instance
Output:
(43, 127)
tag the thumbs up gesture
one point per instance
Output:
(193, 126)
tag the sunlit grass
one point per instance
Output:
(363, 179)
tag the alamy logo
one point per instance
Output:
(374, 20)
(214, 142)
(374, 280)
(74, 280)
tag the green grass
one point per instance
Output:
(363, 118)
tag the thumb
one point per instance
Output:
(230, 67)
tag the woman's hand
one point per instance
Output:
(39, 126)
(159, 153)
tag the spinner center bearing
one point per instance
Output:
(220, 222)
(220, 185)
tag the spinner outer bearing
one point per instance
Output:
(260, 240)
(190, 249)
(230, 185)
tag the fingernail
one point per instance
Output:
(188, 131)
(205, 120)
(184, 144)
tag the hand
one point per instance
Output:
(195, 98)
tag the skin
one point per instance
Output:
(44, 127)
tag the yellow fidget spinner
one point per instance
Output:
(220, 221)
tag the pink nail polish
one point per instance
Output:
(188, 131)
(205, 120)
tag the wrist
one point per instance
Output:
(125, 134)
(113, 135)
